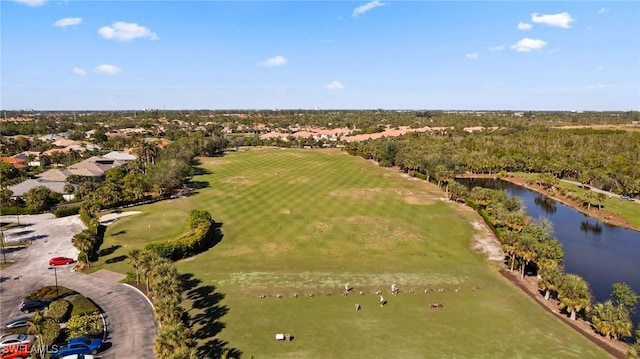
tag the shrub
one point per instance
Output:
(191, 243)
(66, 211)
(82, 257)
(49, 292)
(198, 217)
(89, 325)
(59, 310)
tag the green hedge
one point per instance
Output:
(15, 210)
(59, 310)
(66, 211)
(196, 241)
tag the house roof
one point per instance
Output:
(15, 161)
(23, 187)
(56, 174)
(120, 156)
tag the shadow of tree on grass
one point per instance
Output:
(208, 321)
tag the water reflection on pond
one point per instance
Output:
(602, 254)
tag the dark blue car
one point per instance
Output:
(82, 345)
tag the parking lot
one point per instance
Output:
(129, 316)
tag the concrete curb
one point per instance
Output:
(142, 294)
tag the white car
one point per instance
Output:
(16, 339)
(79, 356)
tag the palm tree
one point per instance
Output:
(550, 280)
(84, 242)
(634, 349)
(147, 259)
(574, 294)
(167, 309)
(134, 259)
(612, 321)
(172, 337)
(184, 353)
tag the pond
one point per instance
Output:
(602, 254)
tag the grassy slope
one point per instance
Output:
(311, 221)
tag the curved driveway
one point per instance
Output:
(129, 316)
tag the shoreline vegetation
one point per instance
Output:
(599, 214)
(529, 285)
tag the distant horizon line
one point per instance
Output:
(313, 110)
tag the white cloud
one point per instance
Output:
(79, 71)
(496, 48)
(602, 10)
(335, 85)
(524, 26)
(274, 61)
(472, 56)
(366, 7)
(106, 69)
(32, 3)
(126, 31)
(526, 45)
(598, 87)
(562, 19)
(68, 21)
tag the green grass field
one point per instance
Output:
(310, 221)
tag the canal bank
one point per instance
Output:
(599, 252)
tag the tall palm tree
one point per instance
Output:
(574, 294)
(84, 242)
(550, 280)
(147, 261)
(134, 259)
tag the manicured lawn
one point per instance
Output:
(310, 221)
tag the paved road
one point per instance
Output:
(129, 317)
(610, 194)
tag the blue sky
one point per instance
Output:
(500, 55)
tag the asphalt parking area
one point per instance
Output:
(131, 327)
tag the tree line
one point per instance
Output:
(606, 159)
(531, 249)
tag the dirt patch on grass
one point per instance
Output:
(412, 197)
(241, 180)
(286, 211)
(326, 282)
(485, 241)
(300, 180)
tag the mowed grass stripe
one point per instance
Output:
(348, 220)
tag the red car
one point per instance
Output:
(15, 351)
(58, 261)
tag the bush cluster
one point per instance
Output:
(66, 211)
(196, 241)
(59, 310)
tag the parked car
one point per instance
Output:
(16, 351)
(34, 304)
(82, 345)
(16, 339)
(79, 356)
(58, 261)
(17, 323)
